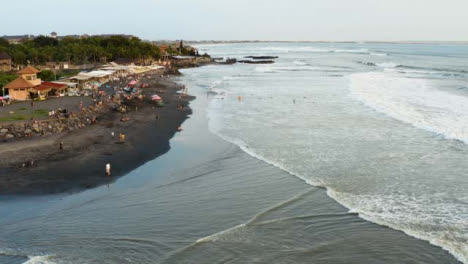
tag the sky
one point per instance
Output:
(292, 20)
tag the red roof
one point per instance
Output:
(42, 88)
(54, 85)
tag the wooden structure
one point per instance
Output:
(21, 88)
(51, 88)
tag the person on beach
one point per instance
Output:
(122, 137)
(81, 105)
(179, 128)
(108, 169)
(112, 134)
(61, 145)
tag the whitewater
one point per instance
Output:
(384, 127)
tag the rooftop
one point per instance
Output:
(19, 82)
(4, 56)
(29, 70)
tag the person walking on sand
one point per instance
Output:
(81, 105)
(108, 169)
(61, 145)
(112, 134)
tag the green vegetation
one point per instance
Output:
(46, 75)
(94, 49)
(36, 114)
(15, 117)
(41, 113)
(5, 78)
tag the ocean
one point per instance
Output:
(382, 126)
(336, 153)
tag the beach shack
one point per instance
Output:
(52, 88)
(88, 80)
(21, 88)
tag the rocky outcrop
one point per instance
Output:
(55, 125)
(256, 61)
(261, 57)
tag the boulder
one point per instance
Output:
(9, 136)
(4, 130)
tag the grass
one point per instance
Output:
(13, 118)
(39, 113)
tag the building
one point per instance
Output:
(5, 62)
(19, 89)
(53, 35)
(30, 74)
(22, 88)
(51, 88)
(17, 39)
(53, 65)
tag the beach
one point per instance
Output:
(204, 201)
(37, 165)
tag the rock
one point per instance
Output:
(37, 129)
(9, 136)
(261, 57)
(28, 131)
(3, 130)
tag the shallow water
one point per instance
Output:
(208, 201)
(383, 126)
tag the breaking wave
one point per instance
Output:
(413, 101)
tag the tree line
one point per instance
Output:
(93, 49)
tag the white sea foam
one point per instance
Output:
(40, 260)
(379, 54)
(413, 215)
(351, 51)
(219, 235)
(387, 64)
(276, 69)
(314, 50)
(300, 63)
(414, 102)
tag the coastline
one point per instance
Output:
(205, 200)
(86, 151)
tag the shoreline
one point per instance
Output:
(256, 211)
(81, 164)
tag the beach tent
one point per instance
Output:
(156, 97)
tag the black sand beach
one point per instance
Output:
(86, 151)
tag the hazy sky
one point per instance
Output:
(384, 20)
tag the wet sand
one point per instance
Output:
(81, 164)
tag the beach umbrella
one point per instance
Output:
(156, 97)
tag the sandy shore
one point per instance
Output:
(81, 164)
